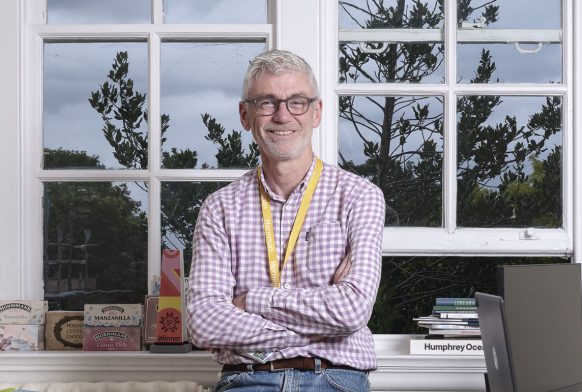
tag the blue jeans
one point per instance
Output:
(291, 380)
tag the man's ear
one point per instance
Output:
(244, 116)
(318, 107)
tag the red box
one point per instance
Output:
(112, 339)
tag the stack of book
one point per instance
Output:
(453, 328)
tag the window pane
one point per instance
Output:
(102, 11)
(397, 143)
(200, 96)
(95, 243)
(84, 87)
(181, 203)
(509, 171)
(215, 11)
(512, 14)
(410, 285)
(394, 14)
(396, 63)
(390, 55)
(495, 63)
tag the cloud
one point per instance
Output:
(218, 11)
(73, 70)
(187, 129)
(102, 11)
(187, 67)
(77, 127)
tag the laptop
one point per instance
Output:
(532, 336)
(496, 345)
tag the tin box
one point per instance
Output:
(64, 330)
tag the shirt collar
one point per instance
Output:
(298, 189)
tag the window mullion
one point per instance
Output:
(450, 124)
(573, 61)
(158, 11)
(154, 158)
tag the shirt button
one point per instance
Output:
(287, 208)
(286, 285)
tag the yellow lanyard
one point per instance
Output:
(274, 271)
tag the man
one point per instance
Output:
(286, 260)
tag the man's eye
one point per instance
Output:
(266, 103)
(298, 102)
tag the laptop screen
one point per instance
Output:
(543, 308)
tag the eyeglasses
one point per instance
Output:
(267, 106)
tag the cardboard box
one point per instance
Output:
(111, 339)
(149, 322)
(21, 337)
(171, 318)
(113, 315)
(22, 311)
(64, 330)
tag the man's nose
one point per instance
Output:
(282, 114)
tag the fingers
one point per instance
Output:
(343, 269)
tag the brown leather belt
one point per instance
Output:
(297, 363)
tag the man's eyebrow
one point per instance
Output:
(295, 95)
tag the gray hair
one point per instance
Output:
(277, 62)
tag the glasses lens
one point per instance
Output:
(297, 105)
(266, 106)
(269, 106)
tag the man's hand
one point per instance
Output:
(344, 269)
(240, 302)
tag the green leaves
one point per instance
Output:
(121, 109)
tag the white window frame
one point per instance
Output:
(38, 32)
(452, 240)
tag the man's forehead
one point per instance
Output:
(288, 84)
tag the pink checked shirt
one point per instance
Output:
(309, 315)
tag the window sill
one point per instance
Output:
(397, 370)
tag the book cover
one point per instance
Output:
(446, 347)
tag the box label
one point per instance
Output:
(112, 339)
(22, 312)
(22, 337)
(64, 330)
(113, 315)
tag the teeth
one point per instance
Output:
(282, 133)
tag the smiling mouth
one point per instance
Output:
(281, 133)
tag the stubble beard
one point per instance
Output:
(282, 150)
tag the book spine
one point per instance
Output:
(467, 331)
(448, 326)
(458, 315)
(448, 308)
(446, 347)
(456, 301)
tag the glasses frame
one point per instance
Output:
(278, 104)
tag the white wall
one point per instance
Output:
(9, 151)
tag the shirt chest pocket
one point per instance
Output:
(326, 248)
